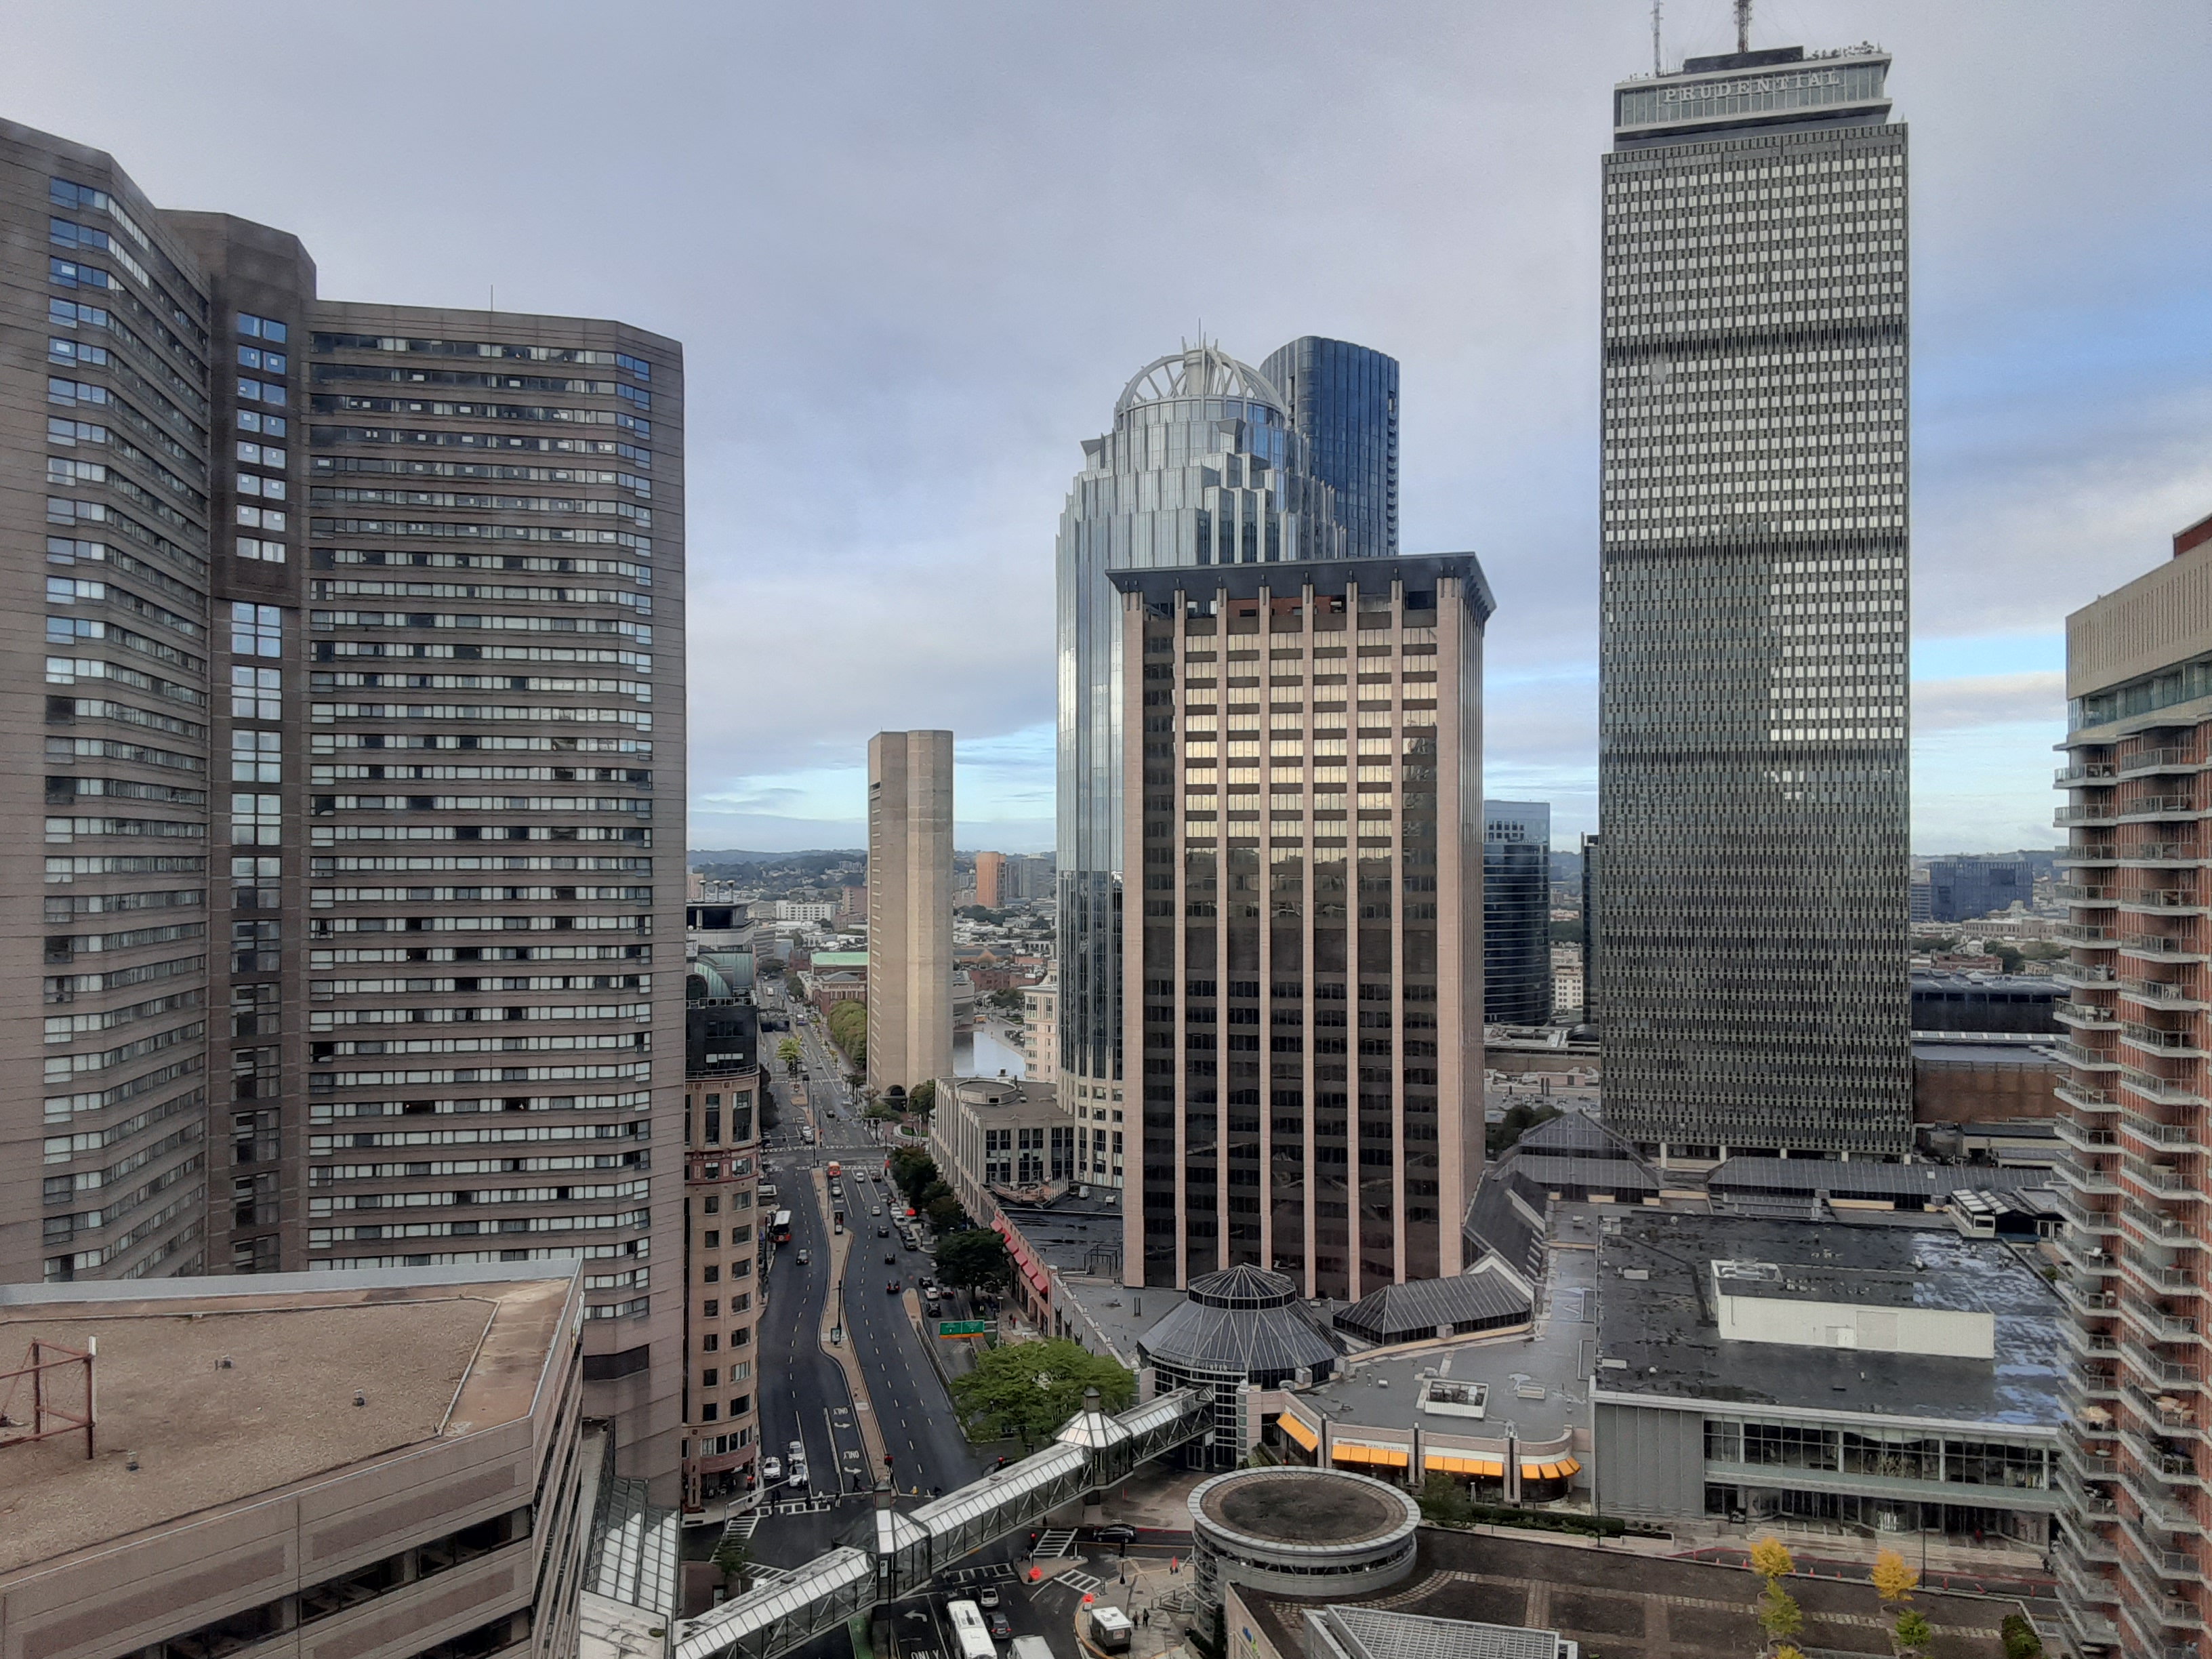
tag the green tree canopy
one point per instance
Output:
(1031, 1388)
(914, 1172)
(922, 1098)
(974, 1259)
(943, 1212)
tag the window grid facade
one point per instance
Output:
(1516, 912)
(1303, 953)
(312, 632)
(1754, 754)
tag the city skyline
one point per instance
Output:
(2049, 447)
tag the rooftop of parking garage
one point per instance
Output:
(215, 1391)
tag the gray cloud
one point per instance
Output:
(914, 250)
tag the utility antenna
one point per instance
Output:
(1656, 68)
(1743, 25)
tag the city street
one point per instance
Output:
(804, 1393)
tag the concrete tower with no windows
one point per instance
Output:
(909, 908)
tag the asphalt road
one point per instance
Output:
(802, 1393)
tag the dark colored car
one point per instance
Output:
(1115, 1535)
(890, 1258)
(999, 1626)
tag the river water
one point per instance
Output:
(980, 1053)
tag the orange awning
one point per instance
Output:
(1446, 1463)
(1298, 1431)
(1565, 1466)
(1389, 1457)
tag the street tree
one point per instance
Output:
(974, 1259)
(791, 1054)
(1029, 1389)
(1893, 1579)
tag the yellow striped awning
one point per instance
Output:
(1298, 1431)
(1447, 1464)
(1392, 1457)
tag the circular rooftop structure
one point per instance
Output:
(1199, 371)
(1243, 1324)
(1301, 1532)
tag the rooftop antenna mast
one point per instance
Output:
(1743, 25)
(1655, 66)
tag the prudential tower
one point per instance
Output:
(1204, 466)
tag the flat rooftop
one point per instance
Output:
(1381, 1388)
(1303, 1506)
(223, 1389)
(1661, 1327)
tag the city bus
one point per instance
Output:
(970, 1635)
(779, 1230)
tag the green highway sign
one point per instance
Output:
(963, 1326)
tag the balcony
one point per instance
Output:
(2102, 816)
(2164, 1090)
(2083, 1256)
(2077, 893)
(2147, 853)
(2087, 1296)
(2172, 757)
(2163, 994)
(2084, 773)
(2164, 1181)
(2086, 1016)
(2157, 1277)
(2093, 934)
(2090, 1220)
(2159, 1506)
(2083, 1099)
(2088, 853)
(2178, 900)
(2155, 1224)
(2161, 947)
(2161, 1040)
(2166, 1137)
(2150, 808)
(2087, 1060)
(2159, 1555)
(2087, 1177)
(2086, 975)
(2163, 1373)
(2158, 1324)
(2084, 1140)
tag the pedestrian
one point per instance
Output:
(1148, 1617)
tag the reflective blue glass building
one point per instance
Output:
(1343, 399)
(1203, 467)
(1516, 912)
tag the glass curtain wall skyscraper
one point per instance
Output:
(1202, 467)
(1344, 399)
(1516, 912)
(1753, 760)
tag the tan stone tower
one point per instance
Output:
(909, 908)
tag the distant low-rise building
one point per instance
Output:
(804, 910)
(1041, 1036)
(995, 1138)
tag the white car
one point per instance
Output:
(771, 1471)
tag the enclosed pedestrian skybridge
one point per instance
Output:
(910, 1549)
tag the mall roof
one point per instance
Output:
(1657, 1335)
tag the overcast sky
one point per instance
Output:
(914, 250)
